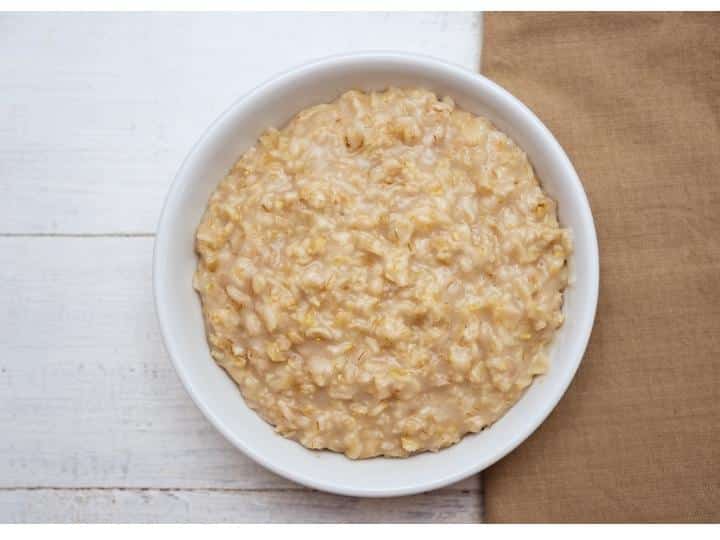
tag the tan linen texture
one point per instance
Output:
(635, 101)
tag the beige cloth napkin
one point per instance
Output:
(635, 101)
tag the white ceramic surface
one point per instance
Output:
(178, 307)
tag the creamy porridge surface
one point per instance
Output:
(382, 275)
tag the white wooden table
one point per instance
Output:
(96, 113)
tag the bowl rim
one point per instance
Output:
(164, 236)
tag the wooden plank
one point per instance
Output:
(88, 397)
(97, 110)
(173, 506)
(87, 394)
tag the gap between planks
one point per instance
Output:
(298, 489)
(79, 235)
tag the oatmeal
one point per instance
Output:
(383, 275)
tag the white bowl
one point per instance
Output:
(178, 306)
